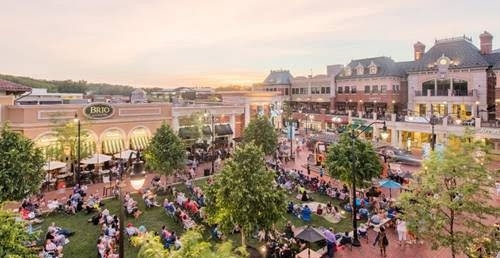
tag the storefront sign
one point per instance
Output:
(98, 111)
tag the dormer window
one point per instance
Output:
(373, 68)
(348, 71)
(360, 70)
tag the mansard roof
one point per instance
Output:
(461, 52)
(278, 77)
(385, 67)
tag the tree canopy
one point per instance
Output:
(261, 132)
(66, 133)
(166, 152)
(451, 200)
(342, 157)
(14, 236)
(192, 246)
(21, 166)
(257, 203)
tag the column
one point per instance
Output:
(450, 108)
(400, 143)
(232, 122)
(474, 110)
(428, 109)
(247, 114)
(394, 137)
(175, 124)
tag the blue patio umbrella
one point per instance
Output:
(387, 183)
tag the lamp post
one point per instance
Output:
(78, 125)
(137, 178)
(212, 129)
(384, 135)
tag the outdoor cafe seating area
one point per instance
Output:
(98, 168)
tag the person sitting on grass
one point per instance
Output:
(289, 208)
(306, 213)
(51, 248)
(131, 230)
(289, 230)
(363, 213)
(150, 199)
(319, 210)
(329, 207)
(132, 208)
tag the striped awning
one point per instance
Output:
(112, 146)
(88, 148)
(139, 142)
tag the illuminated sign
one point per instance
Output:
(98, 111)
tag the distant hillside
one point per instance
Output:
(69, 86)
(233, 88)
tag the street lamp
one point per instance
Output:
(384, 135)
(212, 119)
(137, 178)
(78, 125)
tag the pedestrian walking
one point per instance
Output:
(401, 230)
(321, 171)
(382, 241)
(308, 169)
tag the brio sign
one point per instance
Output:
(98, 111)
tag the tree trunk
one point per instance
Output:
(243, 241)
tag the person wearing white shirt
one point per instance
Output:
(401, 230)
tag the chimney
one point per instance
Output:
(486, 42)
(418, 50)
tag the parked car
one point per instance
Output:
(469, 122)
(399, 156)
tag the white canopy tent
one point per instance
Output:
(96, 159)
(53, 165)
(125, 154)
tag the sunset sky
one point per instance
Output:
(173, 43)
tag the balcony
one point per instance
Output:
(448, 95)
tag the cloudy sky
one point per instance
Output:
(218, 42)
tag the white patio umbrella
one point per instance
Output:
(125, 154)
(96, 159)
(53, 165)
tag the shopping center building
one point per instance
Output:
(112, 127)
(452, 86)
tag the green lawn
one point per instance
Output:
(83, 243)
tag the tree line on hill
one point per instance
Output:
(82, 86)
